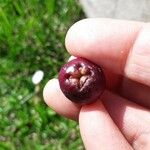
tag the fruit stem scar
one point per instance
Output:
(83, 80)
(79, 76)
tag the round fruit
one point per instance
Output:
(81, 81)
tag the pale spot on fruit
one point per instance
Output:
(83, 80)
(70, 69)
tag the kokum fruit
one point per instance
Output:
(81, 81)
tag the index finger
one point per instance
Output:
(115, 45)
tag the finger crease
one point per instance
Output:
(131, 48)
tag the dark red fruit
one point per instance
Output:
(81, 81)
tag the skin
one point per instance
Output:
(121, 116)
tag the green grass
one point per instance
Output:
(32, 34)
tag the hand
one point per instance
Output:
(120, 119)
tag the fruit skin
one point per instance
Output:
(81, 81)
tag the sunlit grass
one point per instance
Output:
(32, 34)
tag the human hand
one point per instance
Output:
(120, 119)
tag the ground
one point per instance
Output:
(32, 34)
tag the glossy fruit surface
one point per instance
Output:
(81, 81)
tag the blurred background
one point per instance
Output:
(32, 34)
(120, 9)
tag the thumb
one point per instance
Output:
(98, 131)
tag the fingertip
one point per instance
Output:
(56, 100)
(101, 41)
(70, 36)
(74, 38)
(50, 85)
